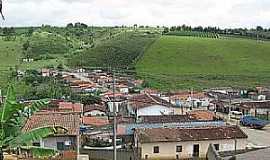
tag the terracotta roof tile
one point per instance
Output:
(144, 100)
(95, 121)
(189, 134)
(70, 121)
(69, 106)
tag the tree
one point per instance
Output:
(13, 115)
(259, 28)
(70, 25)
(30, 32)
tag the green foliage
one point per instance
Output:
(176, 62)
(121, 51)
(39, 152)
(44, 43)
(12, 114)
(27, 138)
(194, 34)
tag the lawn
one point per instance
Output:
(177, 62)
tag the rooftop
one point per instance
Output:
(165, 119)
(95, 121)
(145, 100)
(69, 121)
(189, 134)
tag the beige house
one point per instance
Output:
(181, 143)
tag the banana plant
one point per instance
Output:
(13, 116)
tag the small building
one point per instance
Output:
(46, 72)
(184, 143)
(254, 108)
(64, 142)
(147, 105)
(94, 110)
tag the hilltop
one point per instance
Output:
(179, 62)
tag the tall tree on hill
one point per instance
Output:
(1, 6)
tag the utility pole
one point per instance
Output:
(114, 121)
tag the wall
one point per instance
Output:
(154, 110)
(51, 142)
(97, 154)
(168, 150)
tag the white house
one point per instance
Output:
(62, 142)
(184, 143)
(148, 105)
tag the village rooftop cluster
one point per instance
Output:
(218, 123)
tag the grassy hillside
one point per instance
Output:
(120, 51)
(184, 62)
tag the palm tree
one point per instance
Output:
(13, 116)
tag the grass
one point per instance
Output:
(11, 55)
(121, 51)
(183, 62)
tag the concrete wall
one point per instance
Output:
(108, 154)
(51, 142)
(168, 150)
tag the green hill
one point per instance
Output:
(184, 62)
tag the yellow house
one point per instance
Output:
(182, 143)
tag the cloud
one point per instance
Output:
(223, 13)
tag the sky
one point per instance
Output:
(222, 13)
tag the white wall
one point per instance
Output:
(51, 142)
(154, 110)
(168, 150)
(95, 113)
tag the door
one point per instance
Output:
(196, 150)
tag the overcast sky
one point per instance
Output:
(223, 13)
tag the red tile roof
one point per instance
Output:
(189, 134)
(69, 106)
(145, 100)
(99, 107)
(95, 121)
(70, 121)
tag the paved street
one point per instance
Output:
(258, 138)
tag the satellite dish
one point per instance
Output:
(1, 5)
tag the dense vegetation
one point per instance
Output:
(253, 33)
(185, 62)
(194, 34)
(120, 51)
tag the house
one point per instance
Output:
(254, 108)
(94, 110)
(184, 143)
(62, 142)
(46, 72)
(146, 104)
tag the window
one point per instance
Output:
(178, 148)
(146, 157)
(216, 147)
(60, 146)
(156, 149)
